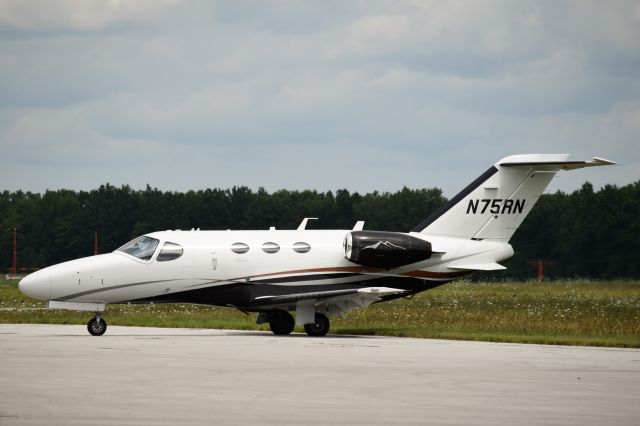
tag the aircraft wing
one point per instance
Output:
(369, 293)
(492, 266)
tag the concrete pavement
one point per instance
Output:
(59, 375)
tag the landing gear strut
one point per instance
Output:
(97, 326)
(281, 322)
(320, 327)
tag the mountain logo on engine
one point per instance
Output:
(385, 244)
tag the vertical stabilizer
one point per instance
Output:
(494, 205)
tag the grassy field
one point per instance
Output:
(595, 313)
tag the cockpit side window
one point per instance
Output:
(142, 247)
(170, 251)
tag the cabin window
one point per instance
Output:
(301, 247)
(270, 247)
(170, 251)
(142, 247)
(239, 248)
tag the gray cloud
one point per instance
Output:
(186, 95)
(63, 16)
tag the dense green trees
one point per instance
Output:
(585, 233)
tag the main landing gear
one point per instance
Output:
(281, 323)
(319, 328)
(97, 326)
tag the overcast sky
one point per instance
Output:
(313, 95)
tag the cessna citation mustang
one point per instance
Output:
(316, 273)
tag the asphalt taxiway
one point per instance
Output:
(59, 375)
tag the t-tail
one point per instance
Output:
(494, 205)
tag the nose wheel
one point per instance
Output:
(97, 326)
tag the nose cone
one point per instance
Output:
(36, 285)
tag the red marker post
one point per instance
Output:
(540, 264)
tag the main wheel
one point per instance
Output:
(281, 322)
(96, 326)
(320, 327)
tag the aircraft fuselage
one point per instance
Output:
(213, 271)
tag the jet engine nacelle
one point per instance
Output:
(385, 249)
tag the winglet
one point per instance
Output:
(359, 226)
(303, 224)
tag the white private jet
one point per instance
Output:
(316, 273)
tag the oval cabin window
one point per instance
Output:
(170, 251)
(301, 247)
(270, 247)
(239, 248)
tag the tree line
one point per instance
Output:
(585, 233)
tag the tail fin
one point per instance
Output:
(494, 205)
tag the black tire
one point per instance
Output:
(320, 327)
(97, 327)
(281, 322)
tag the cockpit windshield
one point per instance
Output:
(142, 247)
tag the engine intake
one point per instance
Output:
(385, 249)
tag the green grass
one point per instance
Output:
(579, 312)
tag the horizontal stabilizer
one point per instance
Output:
(564, 165)
(478, 267)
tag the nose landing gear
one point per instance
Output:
(97, 326)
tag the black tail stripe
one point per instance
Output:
(455, 200)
